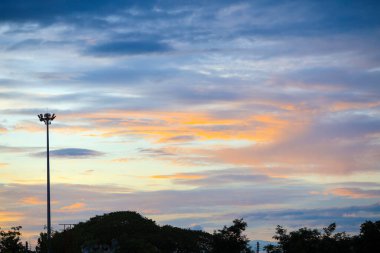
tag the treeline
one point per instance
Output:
(129, 232)
(306, 240)
(122, 232)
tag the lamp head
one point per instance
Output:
(47, 118)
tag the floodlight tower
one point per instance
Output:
(47, 118)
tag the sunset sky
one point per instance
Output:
(192, 113)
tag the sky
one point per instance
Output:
(192, 113)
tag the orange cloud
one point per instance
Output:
(354, 193)
(29, 127)
(344, 106)
(166, 125)
(33, 201)
(2, 165)
(10, 216)
(37, 127)
(120, 160)
(178, 176)
(279, 160)
(74, 207)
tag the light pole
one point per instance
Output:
(47, 118)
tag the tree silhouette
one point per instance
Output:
(369, 237)
(10, 241)
(131, 232)
(231, 239)
(306, 240)
(42, 243)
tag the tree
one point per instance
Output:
(306, 240)
(231, 239)
(10, 241)
(126, 232)
(42, 243)
(369, 237)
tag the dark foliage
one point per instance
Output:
(128, 232)
(306, 240)
(10, 241)
(231, 240)
(131, 232)
(369, 237)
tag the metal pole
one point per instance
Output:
(48, 190)
(47, 118)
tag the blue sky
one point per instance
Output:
(192, 112)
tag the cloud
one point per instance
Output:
(327, 145)
(180, 138)
(355, 193)
(157, 152)
(121, 48)
(88, 172)
(20, 11)
(347, 218)
(10, 217)
(3, 130)
(168, 124)
(338, 77)
(3, 165)
(17, 149)
(121, 160)
(217, 199)
(33, 201)
(221, 178)
(72, 153)
(200, 87)
(190, 176)
(79, 206)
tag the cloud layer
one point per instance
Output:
(195, 113)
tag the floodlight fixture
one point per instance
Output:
(47, 118)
